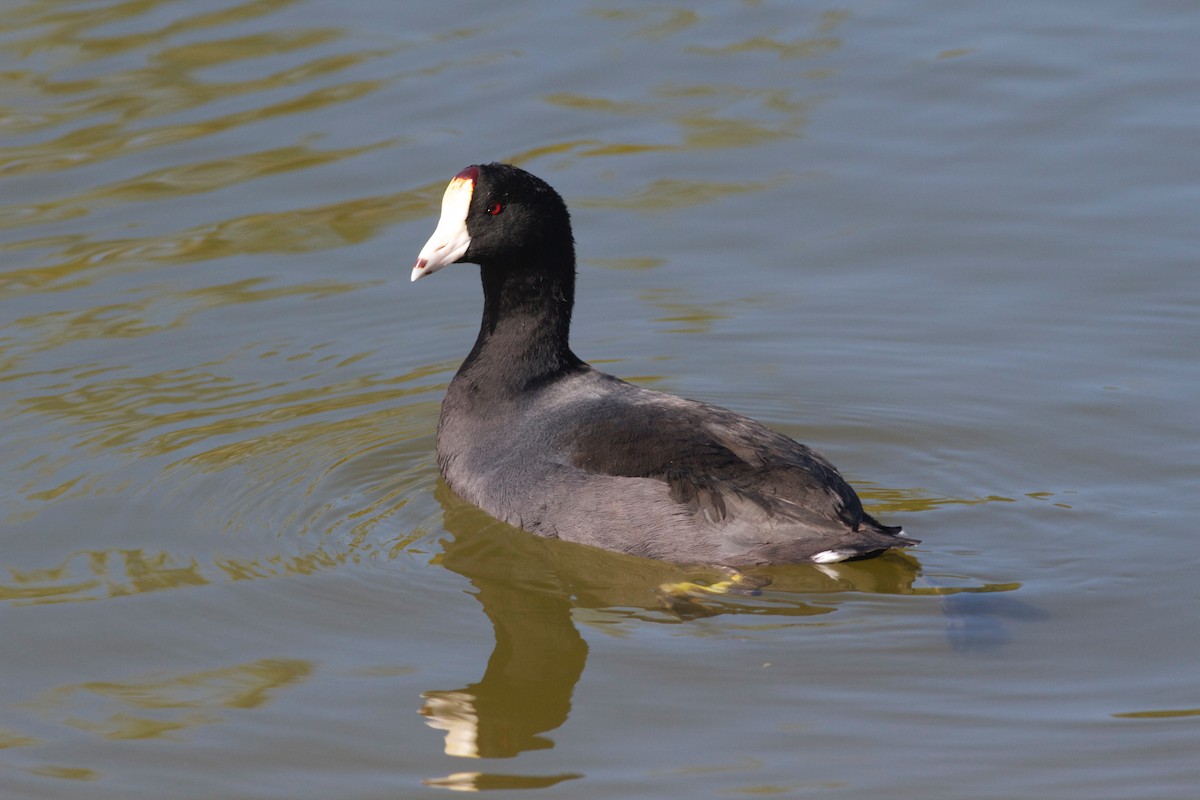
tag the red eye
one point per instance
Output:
(494, 209)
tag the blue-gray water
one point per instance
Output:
(952, 246)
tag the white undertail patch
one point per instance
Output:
(831, 556)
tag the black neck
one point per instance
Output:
(523, 338)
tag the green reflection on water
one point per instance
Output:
(674, 20)
(66, 773)
(158, 309)
(683, 317)
(674, 193)
(102, 574)
(104, 140)
(160, 413)
(600, 104)
(706, 116)
(167, 86)
(158, 707)
(182, 179)
(103, 112)
(63, 28)
(884, 501)
(113, 574)
(484, 781)
(797, 48)
(11, 738)
(236, 48)
(800, 47)
(1171, 713)
(226, 455)
(80, 262)
(627, 263)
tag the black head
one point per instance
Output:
(499, 216)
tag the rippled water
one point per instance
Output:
(952, 247)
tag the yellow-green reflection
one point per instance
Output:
(797, 48)
(101, 574)
(702, 115)
(161, 413)
(153, 708)
(79, 263)
(485, 781)
(600, 104)
(888, 500)
(11, 738)
(627, 263)
(282, 459)
(956, 52)
(181, 179)
(800, 47)
(1169, 713)
(66, 773)
(153, 312)
(66, 29)
(111, 110)
(683, 317)
(269, 445)
(673, 20)
(167, 86)
(153, 92)
(222, 51)
(673, 193)
(107, 140)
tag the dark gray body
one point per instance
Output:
(591, 459)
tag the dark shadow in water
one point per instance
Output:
(975, 621)
(530, 586)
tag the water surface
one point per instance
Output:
(953, 248)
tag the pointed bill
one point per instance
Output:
(450, 239)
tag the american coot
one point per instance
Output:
(536, 437)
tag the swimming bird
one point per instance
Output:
(536, 437)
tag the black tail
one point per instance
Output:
(872, 525)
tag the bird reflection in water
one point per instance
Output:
(528, 587)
